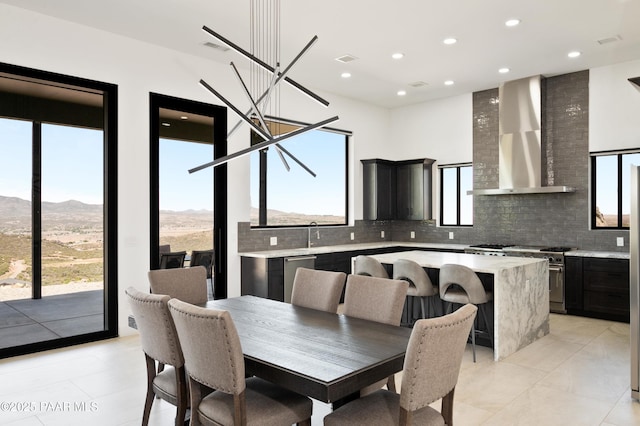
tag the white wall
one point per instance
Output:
(440, 129)
(614, 107)
(37, 41)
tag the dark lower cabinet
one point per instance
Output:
(597, 288)
(264, 277)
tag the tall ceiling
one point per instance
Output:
(604, 31)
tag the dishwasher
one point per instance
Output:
(291, 264)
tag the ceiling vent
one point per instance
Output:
(418, 84)
(608, 40)
(219, 47)
(346, 58)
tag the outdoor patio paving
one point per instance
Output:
(33, 320)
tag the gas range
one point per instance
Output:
(555, 255)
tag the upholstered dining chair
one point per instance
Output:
(317, 289)
(186, 284)
(459, 284)
(173, 259)
(420, 284)
(375, 299)
(159, 342)
(430, 372)
(366, 265)
(220, 393)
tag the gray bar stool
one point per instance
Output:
(420, 284)
(365, 265)
(459, 284)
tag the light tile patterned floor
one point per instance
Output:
(577, 375)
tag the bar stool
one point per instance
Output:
(459, 284)
(365, 265)
(420, 284)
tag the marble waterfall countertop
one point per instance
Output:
(520, 293)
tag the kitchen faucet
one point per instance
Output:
(309, 233)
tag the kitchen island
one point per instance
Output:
(520, 293)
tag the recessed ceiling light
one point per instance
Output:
(165, 124)
(450, 40)
(398, 55)
(184, 117)
(574, 54)
(401, 92)
(512, 22)
(504, 70)
(345, 75)
(449, 83)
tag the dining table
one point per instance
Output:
(328, 357)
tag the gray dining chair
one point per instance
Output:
(173, 259)
(220, 393)
(368, 266)
(160, 344)
(202, 258)
(186, 284)
(430, 372)
(375, 299)
(459, 284)
(317, 289)
(420, 284)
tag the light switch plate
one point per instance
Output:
(273, 241)
(353, 236)
(413, 234)
(451, 235)
(620, 241)
(381, 234)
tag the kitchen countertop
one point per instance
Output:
(594, 253)
(349, 247)
(303, 251)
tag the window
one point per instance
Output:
(283, 193)
(610, 189)
(456, 207)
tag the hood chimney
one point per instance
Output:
(520, 140)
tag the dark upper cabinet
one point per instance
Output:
(379, 189)
(397, 189)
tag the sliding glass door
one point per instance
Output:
(58, 258)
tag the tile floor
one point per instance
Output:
(577, 375)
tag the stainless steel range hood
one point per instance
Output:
(520, 139)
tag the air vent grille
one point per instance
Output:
(608, 40)
(346, 58)
(220, 47)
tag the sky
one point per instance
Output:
(296, 190)
(71, 162)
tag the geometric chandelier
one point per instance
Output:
(263, 91)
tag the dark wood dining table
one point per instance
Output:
(328, 357)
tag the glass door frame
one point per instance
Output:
(219, 115)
